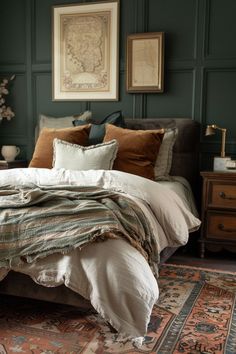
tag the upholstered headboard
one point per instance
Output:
(186, 148)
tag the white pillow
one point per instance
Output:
(60, 122)
(76, 157)
(164, 158)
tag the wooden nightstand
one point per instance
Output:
(13, 164)
(218, 211)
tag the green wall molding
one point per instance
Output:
(200, 67)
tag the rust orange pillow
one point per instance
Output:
(137, 149)
(43, 152)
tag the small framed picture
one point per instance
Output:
(145, 62)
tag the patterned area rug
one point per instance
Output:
(196, 313)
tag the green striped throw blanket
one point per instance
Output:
(39, 221)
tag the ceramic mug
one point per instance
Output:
(9, 152)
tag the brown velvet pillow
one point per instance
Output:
(43, 152)
(137, 149)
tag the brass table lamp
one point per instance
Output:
(219, 161)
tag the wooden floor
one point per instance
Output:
(222, 261)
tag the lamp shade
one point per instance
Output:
(210, 129)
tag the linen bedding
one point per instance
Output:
(114, 275)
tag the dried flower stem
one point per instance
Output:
(5, 111)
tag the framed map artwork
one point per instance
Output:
(145, 62)
(85, 51)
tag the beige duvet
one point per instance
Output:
(113, 275)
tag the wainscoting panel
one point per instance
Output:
(200, 67)
(220, 84)
(12, 41)
(220, 29)
(44, 103)
(178, 19)
(178, 100)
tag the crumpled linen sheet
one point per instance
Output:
(113, 275)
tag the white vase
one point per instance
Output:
(9, 152)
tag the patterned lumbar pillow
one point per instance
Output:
(76, 157)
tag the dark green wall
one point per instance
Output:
(200, 67)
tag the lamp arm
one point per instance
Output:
(223, 142)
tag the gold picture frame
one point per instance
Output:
(145, 62)
(85, 51)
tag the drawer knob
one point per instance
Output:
(224, 196)
(223, 228)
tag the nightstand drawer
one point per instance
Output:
(221, 226)
(222, 195)
(218, 211)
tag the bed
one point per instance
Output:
(40, 282)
